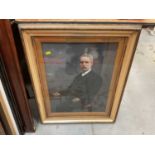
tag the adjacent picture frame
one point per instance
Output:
(78, 70)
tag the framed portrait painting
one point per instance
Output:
(78, 70)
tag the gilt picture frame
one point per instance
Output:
(78, 70)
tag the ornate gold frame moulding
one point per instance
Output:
(34, 33)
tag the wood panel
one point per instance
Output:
(11, 62)
(10, 96)
(133, 21)
(6, 114)
(2, 132)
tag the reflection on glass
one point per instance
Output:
(78, 75)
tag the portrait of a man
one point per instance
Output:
(85, 85)
(78, 75)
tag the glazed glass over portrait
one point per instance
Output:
(78, 75)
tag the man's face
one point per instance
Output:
(85, 63)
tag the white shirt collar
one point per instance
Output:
(85, 73)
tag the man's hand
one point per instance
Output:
(56, 94)
(76, 100)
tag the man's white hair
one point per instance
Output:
(90, 56)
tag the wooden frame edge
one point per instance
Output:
(127, 61)
(6, 110)
(132, 39)
(27, 44)
(75, 26)
(105, 21)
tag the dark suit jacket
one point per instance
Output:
(84, 87)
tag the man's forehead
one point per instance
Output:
(85, 57)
